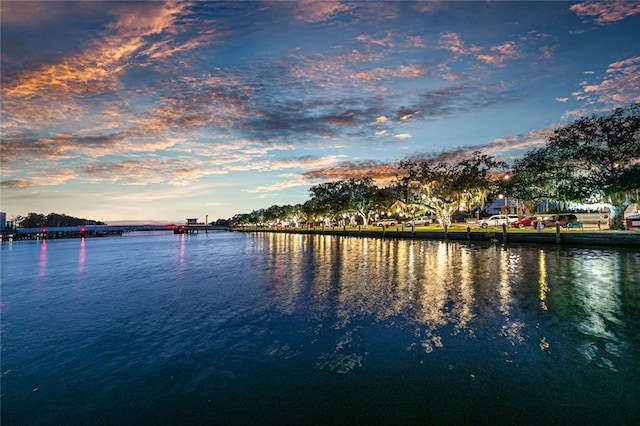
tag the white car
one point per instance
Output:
(385, 222)
(419, 221)
(498, 220)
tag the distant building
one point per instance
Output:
(499, 206)
(192, 221)
(3, 221)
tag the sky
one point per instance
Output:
(161, 111)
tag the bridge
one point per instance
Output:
(54, 232)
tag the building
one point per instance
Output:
(3, 221)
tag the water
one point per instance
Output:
(232, 328)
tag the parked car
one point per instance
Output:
(498, 220)
(458, 218)
(563, 219)
(525, 221)
(385, 222)
(419, 221)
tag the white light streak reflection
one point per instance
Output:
(598, 294)
(82, 258)
(542, 279)
(43, 258)
(438, 290)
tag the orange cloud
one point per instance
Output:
(95, 69)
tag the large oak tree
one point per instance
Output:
(444, 187)
(593, 159)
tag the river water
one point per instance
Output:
(235, 328)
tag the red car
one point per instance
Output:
(525, 221)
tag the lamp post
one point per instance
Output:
(505, 207)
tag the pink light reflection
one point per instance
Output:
(43, 257)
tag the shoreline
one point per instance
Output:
(624, 239)
(588, 238)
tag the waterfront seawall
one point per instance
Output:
(581, 238)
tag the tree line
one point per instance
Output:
(37, 220)
(593, 159)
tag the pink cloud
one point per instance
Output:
(619, 85)
(606, 12)
(502, 53)
(453, 43)
(366, 39)
(318, 11)
(405, 71)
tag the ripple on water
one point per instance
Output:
(338, 363)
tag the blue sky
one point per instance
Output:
(159, 111)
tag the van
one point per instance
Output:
(563, 219)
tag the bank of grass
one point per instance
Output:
(458, 227)
(589, 236)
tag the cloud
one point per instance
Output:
(387, 41)
(616, 88)
(403, 136)
(46, 176)
(66, 146)
(459, 98)
(506, 149)
(606, 12)
(501, 53)
(103, 59)
(402, 71)
(453, 43)
(562, 99)
(516, 145)
(317, 11)
(416, 41)
(18, 183)
(428, 6)
(379, 171)
(269, 165)
(176, 172)
(41, 15)
(112, 107)
(96, 72)
(278, 186)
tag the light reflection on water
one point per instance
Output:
(336, 328)
(43, 258)
(445, 288)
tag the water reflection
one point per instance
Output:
(420, 327)
(82, 258)
(542, 278)
(597, 293)
(442, 290)
(43, 258)
(182, 241)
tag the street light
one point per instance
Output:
(505, 206)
